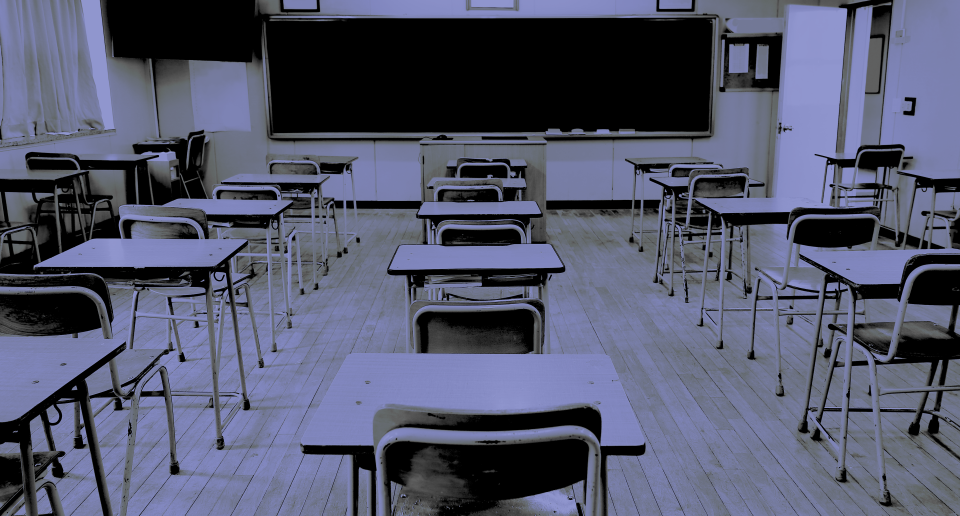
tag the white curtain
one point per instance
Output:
(46, 78)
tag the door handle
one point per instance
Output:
(783, 128)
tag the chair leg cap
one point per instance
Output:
(720, 345)
(77, 443)
(934, 426)
(220, 443)
(826, 353)
(289, 324)
(815, 435)
(358, 240)
(802, 427)
(339, 254)
(57, 470)
(174, 468)
(631, 239)
(209, 403)
(779, 391)
(182, 358)
(914, 429)
(841, 475)
(301, 292)
(750, 355)
(117, 404)
(246, 404)
(885, 498)
(260, 363)
(345, 250)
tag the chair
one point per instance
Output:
(706, 183)
(10, 228)
(873, 158)
(312, 202)
(262, 236)
(161, 222)
(470, 168)
(948, 217)
(514, 326)
(667, 200)
(11, 482)
(470, 459)
(459, 190)
(481, 232)
(47, 305)
(927, 280)
(89, 203)
(813, 227)
(191, 170)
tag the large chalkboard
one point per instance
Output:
(343, 77)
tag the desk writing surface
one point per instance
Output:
(514, 162)
(517, 183)
(110, 161)
(306, 180)
(423, 259)
(343, 423)
(479, 210)
(759, 210)
(681, 183)
(35, 371)
(648, 163)
(218, 209)
(25, 180)
(926, 175)
(873, 274)
(111, 256)
(844, 159)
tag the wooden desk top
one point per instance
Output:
(415, 260)
(479, 210)
(35, 372)
(645, 164)
(111, 161)
(227, 210)
(514, 162)
(343, 423)
(296, 180)
(873, 274)
(112, 256)
(743, 212)
(518, 183)
(844, 159)
(932, 176)
(680, 184)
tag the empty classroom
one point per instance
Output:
(384, 257)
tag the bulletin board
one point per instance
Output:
(750, 62)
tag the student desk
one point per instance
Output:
(673, 187)
(34, 374)
(135, 163)
(417, 262)
(839, 161)
(931, 179)
(43, 181)
(257, 213)
(343, 423)
(437, 212)
(146, 258)
(308, 183)
(742, 212)
(643, 166)
(871, 275)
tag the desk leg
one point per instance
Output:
(214, 361)
(823, 189)
(706, 268)
(146, 177)
(353, 485)
(661, 214)
(845, 396)
(633, 202)
(602, 488)
(723, 268)
(284, 282)
(6, 218)
(821, 299)
(544, 296)
(313, 241)
(91, 429)
(26, 470)
(372, 493)
(906, 229)
(56, 216)
(273, 324)
(76, 201)
(236, 334)
(408, 299)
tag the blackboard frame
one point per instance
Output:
(416, 135)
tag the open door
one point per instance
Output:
(811, 71)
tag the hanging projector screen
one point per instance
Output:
(350, 77)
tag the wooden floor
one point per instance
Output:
(719, 440)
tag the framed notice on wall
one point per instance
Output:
(750, 62)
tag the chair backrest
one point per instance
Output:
(880, 156)
(487, 455)
(285, 164)
(833, 227)
(478, 327)
(52, 161)
(248, 192)
(143, 221)
(195, 143)
(54, 304)
(459, 190)
(493, 169)
(684, 169)
(481, 232)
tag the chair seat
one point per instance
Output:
(807, 279)
(303, 203)
(862, 186)
(11, 477)
(132, 364)
(918, 339)
(11, 225)
(256, 235)
(555, 503)
(941, 214)
(219, 286)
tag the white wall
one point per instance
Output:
(387, 169)
(134, 118)
(926, 67)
